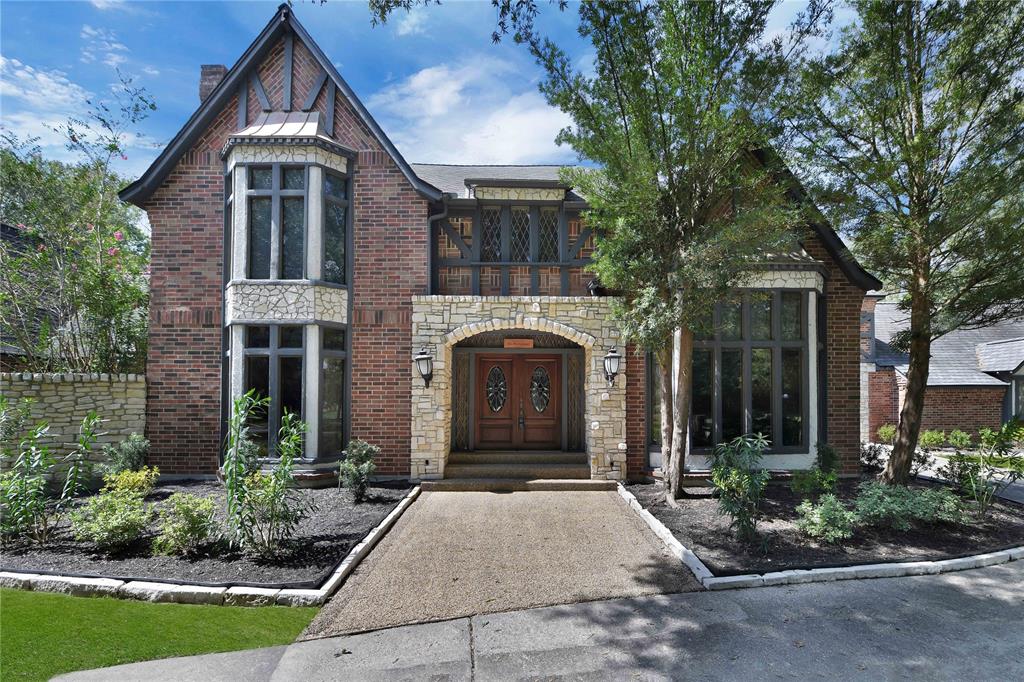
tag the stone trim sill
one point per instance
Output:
(236, 595)
(812, 575)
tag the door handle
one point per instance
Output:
(522, 417)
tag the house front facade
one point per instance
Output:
(444, 313)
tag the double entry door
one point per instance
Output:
(518, 402)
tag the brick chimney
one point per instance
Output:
(210, 76)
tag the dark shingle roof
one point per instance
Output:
(1001, 356)
(451, 178)
(956, 357)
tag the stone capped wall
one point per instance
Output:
(294, 301)
(63, 400)
(439, 322)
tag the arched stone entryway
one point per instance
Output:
(440, 322)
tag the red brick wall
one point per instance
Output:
(183, 368)
(390, 253)
(636, 413)
(842, 351)
(883, 400)
(967, 408)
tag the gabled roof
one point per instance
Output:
(283, 21)
(960, 358)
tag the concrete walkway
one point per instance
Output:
(458, 554)
(956, 626)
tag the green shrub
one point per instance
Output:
(960, 472)
(737, 477)
(829, 520)
(139, 482)
(959, 439)
(128, 455)
(269, 508)
(897, 507)
(827, 457)
(355, 470)
(871, 456)
(240, 461)
(111, 519)
(27, 507)
(887, 434)
(187, 525)
(813, 482)
(931, 439)
(1000, 464)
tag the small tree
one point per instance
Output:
(72, 286)
(913, 130)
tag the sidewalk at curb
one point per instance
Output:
(812, 575)
(180, 593)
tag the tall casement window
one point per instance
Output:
(277, 221)
(335, 227)
(750, 375)
(273, 368)
(332, 391)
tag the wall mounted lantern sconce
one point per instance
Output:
(425, 364)
(611, 365)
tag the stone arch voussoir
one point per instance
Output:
(540, 324)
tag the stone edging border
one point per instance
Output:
(812, 575)
(198, 594)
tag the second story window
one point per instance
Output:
(277, 222)
(335, 227)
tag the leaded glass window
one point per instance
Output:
(273, 369)
(490, 243)
(540, 389)
(520, 234)
(335, 227)
(548, 235)
(497, 389)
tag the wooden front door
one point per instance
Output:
(518, 402)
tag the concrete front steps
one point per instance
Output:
(520, 470)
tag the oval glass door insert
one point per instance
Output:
(497, 389)
(540, 389)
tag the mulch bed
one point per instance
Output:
(322, 541)
(698, 526)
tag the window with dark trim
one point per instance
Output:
(335, 227)
(750, 375)
(277, 221)
(333, 358)
(273, 369)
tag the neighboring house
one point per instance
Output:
(297, 253)
(975, 378)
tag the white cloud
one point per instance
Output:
(412, 22)
(39, 89)
(108, 4)
(102, 44)
(469, 113)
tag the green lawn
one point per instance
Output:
(43, 634)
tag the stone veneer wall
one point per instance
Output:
(518, 194)
(439, 322)
(292, 301)
(63, 400)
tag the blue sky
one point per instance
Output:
(432, 78)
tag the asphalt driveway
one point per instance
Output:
(456, 554)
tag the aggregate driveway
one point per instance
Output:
(456, 554)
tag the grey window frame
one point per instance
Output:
(347, 204)
(274, 352)
(276, 194)
(567, 252)
(346, 411)
(716, 344)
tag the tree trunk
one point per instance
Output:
(664, 368)
(897, 470)
(680, 417)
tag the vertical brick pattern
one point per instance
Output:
(183, 368)
(843, 301)
(636, 413)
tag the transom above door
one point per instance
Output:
(518, 402)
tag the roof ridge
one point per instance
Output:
(997, 341)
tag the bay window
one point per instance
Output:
(273, 369)
(335, 227)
